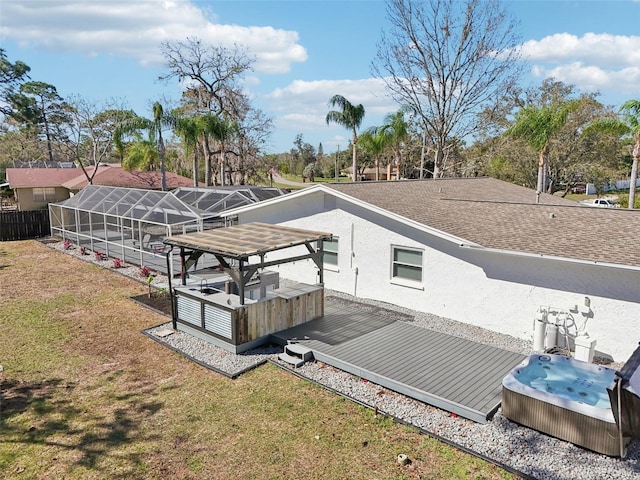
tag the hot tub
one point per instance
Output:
(564, 398)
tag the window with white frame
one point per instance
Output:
(406, 264)
(330, 248)
(44, 194)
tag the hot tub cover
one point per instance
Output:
(628, 418)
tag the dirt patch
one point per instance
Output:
(160, 301)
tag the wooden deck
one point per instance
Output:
(451, 373)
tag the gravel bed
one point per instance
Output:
(127, 269)
(210, 356)
(518, 448)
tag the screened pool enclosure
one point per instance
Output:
(126, 223)
(130, 224)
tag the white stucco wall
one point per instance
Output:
(495, 291)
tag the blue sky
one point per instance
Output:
(306, 51)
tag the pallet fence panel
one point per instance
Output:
(18, 225)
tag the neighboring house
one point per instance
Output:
(35, 188)
(388, 172)
(477, 250)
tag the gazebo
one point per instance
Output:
(237, 304)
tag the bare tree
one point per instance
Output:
(212, 77)
(211, 74)
(447, 60)
(91, 129)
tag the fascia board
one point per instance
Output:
(553, 258)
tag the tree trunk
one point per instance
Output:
(423, 153)
(207, 160)
(634, 175)
(542, 163)
(355, 157)
(163, 173)
(222, 172)
(437, 162)
(195, 168)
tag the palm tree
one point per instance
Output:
(154, 128)
(349, 117)
(188, 129)
(631, 112)
(373, 141)
(396, 130)
(222, 131)
(628, 125)
(537, 126)
(141, 154)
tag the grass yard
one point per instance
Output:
(85, 395)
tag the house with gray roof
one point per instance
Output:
(476, 250)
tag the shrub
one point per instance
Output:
(67, 244)
(118, 263)
(99, 256)
(623, 200)
(145, 272)
(83, 250)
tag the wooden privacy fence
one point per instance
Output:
(24, 225)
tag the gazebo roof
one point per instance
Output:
(243, 241)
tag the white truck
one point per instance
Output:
(600, 202)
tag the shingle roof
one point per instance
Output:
(500, 215)
(109, 175)
(115, 176)
(40, 177)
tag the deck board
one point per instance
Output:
(449, 372)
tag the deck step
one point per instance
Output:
(299, 350)
(296, 354)
(290, 359)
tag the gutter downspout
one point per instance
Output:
(352, 254)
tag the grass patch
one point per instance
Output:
(84, 394)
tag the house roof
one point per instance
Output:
(110, 175)
(496, 215)
(502, 216)
(40, 177)
(116, 176)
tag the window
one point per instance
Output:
(330, 248)
(44, 194)
(407, 265)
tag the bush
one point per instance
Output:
(623, 200)
(145, 272)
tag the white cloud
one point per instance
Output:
(593, 78)
(314, 96)
(593, 62)
(302, 106)
(602, 49)
(136, 29)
